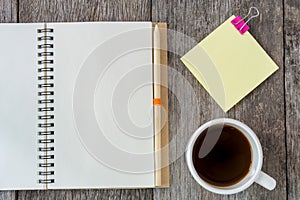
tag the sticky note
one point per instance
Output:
(229, 65)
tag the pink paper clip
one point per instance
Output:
(239, 22)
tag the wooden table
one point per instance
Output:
(271, 110)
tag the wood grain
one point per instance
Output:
(145, 194)
(263, 110)
(8, 11)
(292, 95)
(197, 19)
(189, 104)
(8, 14)
(84, 10)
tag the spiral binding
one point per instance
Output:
(46, 100)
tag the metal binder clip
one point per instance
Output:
(239, 22)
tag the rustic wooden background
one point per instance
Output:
(271, 110)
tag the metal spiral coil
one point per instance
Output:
(46, 116)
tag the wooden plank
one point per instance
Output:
(8, 11)
(292, 95)
(197, 19)
(263, 110)
(189, 104)
(8, 14)
(7, 195)
(84, 10)
(87, 194)
(41, 194)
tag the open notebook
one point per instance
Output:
(76, 106)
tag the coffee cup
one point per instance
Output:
(225, 156)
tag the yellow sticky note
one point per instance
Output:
(229, 65)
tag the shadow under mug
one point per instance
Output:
(254, 175)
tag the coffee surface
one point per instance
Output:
(222, 155)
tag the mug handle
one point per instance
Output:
(266, 181)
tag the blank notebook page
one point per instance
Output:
(18, 107)
(103, 105)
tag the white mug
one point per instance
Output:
(254, 175)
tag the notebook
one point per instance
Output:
(229, 64)
(76, 106)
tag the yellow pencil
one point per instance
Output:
(157, 105)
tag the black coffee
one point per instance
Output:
(222, 155)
